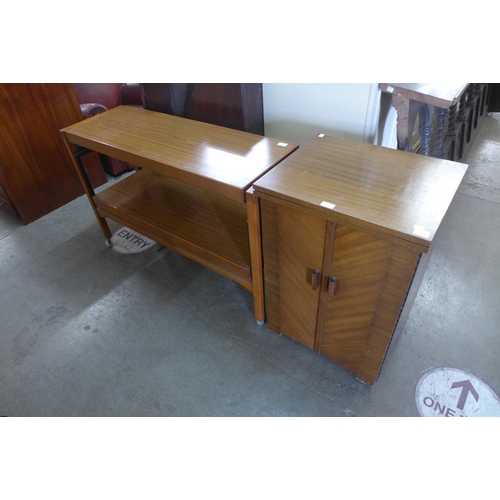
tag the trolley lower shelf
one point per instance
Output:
(207, 228)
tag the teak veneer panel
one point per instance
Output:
(359, 263)
(181, 216)
(400, 196)
(374, 279)
(369, 248)
(400, 280)
(354, 327)
(220, 160)
(301, 238)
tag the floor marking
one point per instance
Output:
(127, 241)
(453, 392)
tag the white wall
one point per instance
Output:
(297, 112)
(386, 130)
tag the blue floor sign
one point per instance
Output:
(453, 392)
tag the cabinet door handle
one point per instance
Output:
(316, 279)
(333, 284)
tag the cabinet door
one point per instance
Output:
(302, 239)
(359, 320)
(353, 326)
(293, 242)
(358, 263)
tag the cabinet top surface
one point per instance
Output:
(401, 194)
(218, 159)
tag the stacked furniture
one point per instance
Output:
(448, 115)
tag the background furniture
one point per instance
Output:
(193, 190)
(95, 98)
(346, 233)
(493, 97)
(447, 113)
(232, 105)
(36, 175)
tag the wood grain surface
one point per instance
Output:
(217, 159)
(35, 170)
(383, 208)
(181, 216)
(401, 195)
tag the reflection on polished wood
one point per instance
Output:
(217, 159)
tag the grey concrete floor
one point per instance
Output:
(86, 331)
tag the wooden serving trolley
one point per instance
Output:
(192, 190)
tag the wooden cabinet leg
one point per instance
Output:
(256, 264)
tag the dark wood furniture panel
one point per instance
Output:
(345, 226)
(234, 105)
(493, 101)
(35, 171)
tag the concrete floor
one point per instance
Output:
(86, 331)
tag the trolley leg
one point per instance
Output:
(254, 236)
(76, 153)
